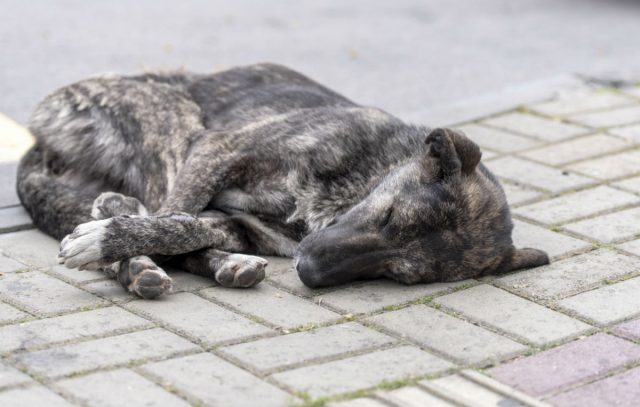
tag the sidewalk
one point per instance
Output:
(567, 334)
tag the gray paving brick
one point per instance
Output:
(14, 218)
(517, 194)
(278, 265)
(609, 118)
(198, 318)
(537, 175)
(361, 372)
(183, 281)
(75, 275)
(630, 184)
(609, 228)
(630, 133)
(413, 396)
(45, 295)
(286, 350)
(581, 103)
(10, 314)
(111, 290)
(32, 396)
(291, 282)
(361, 402)
(275, 306)
(525, 319)
(30, 247)
(577, 205)
(629, 330)
(633, 91)
(566, 365)
(81, 325)
(8, 175)
(207, 379)
(632, 246)
(577, 149)
(10, 376)
(8, 265)
(622, 390)
(535, 126)
(375, 295)
(607, 304)
(555, 244)
(458, 339)
(610, 166)
(103, 353)
(118, 388)
(497, 140)
(571, 276)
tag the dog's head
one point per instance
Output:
(441, 216)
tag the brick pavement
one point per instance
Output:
(567, 334)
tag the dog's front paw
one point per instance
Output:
(240, 270)
(83, 247)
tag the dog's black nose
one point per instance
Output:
(308, 272)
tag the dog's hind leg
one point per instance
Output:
(138, 274)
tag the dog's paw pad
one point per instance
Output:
(240, 270)
(145, 279)
(83, 247)
(110, 204)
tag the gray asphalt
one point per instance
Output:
(401, 55)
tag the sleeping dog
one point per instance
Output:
(208, 172)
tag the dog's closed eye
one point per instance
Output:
(384, 221)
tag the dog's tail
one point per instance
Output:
(55, 207)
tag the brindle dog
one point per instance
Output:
(258, 160)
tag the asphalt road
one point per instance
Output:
(401, 55)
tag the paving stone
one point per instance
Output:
(286, 350)
(608, 228)
(607, 304)
(458, 339)
(622, 390)
(630, 133)
(609, 118)
(570, 276)
(103, 353)
(633, 91)
(413, 396)
(361, 372)
(111, 290)
(537, 175)
(577, 149)
(488, 155)
(30, 247)
(361, 402)
(513, 314)
(75, 275)
(632, 246)
(497, 140)
(577, 205)
(10, 314)
(45, 295)
(631, 184)
(290, 281)
(270, 304)
(103, 321)
(476, 389)
(535, 126)
(32, 396)
(566, 365)
(517, 194)
(278, 265)
(207, 379)
(118, 388)
(14, 218)
(8, 175)
(183, 281)
(198, 318)
(581, 103)
(629, 329)
(10, 376)
(555, 244)
(8, 265)
(610, 166)
(375, 295)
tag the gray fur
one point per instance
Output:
(255, 160)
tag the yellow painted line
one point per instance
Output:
(15, 139)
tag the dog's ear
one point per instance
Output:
(518, 259)
(467, 151)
